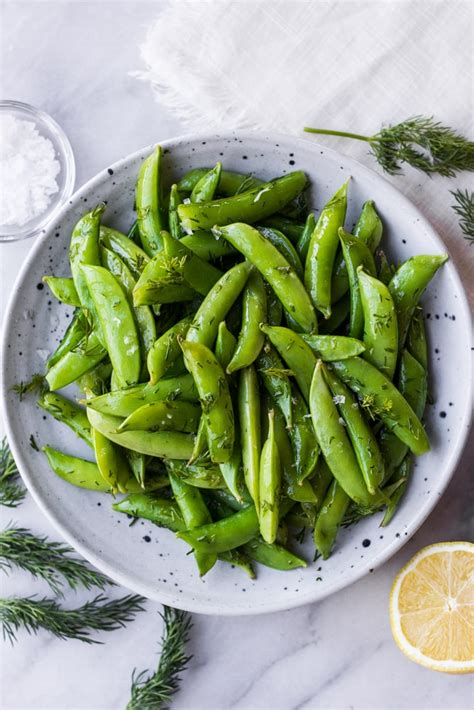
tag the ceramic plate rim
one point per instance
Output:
(168, 598)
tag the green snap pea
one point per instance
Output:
(215, 399)
(205, 188)
(284, 246)
(356, 254)
(75, 332)
(75, 362)
(275, 269)
(111, 462)
(295, 352)
(130, 253)
(137, 463)
(250, 206)
(249, 421)
(360, 434)
(401, 475)
(198, 274)
(412, 383)
(303, 441)
(217, 304)
(84, 250)
(63, 289)
(333, 347)
(329, 519)
(63, 410)
(173, 219)
(207, 477)
(96, 381)
(166, 351)
(303, 242)
(335, 444)
(149, 202)
(320, 482)
(238, 558)
(195, 513)
(274, 307)
(276, 381)
(385, 270)
(408, 284)
(225, 345)
(225, 534)
(200, 442)
(289, 228)
(173, 416)
(165, 444)
(150, 506)
(254, 311)
(300, 491)
(368, 230)
(269, 485)
(229, 182)
(206, 246)
(273, 555)
(78, 472)
(382, 397)
(117, 323)
(416, 342)
(232, 470)
(339, 313)
(380, 324)
(322, 251)
(122, 403)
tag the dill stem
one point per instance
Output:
(343, 134)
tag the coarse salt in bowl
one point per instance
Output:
(37, 170)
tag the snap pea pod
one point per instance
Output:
(200, 442)
(287, 226)
(401, 474)
(356, 254)
(416, 343)
(269, 485)
(284, 246)
(373, 388)
(78, 472)
(329, 519)
(254, 311)
(408, 284)
(335, 444)
(208, 477)
(322, 251)
(205, 188)
(123, 402)
(96, 381)
(149, 202)
(111, 462)
(238, 558)
(164, 444)
(63, 289)
(117, 323)
(137, 463)
(250, 206)
(302, 244)
(301, 491)
(84, 250)
(217, 304)
(303, 441)
(250, 433)
(225, 534)
(275, 269)
(232, 470)
(333, 347)
(173, 219)
(273, 555)
(165, 352)
(225, 345)
(75, 362)
(198, 274)
(150, 506)
(385, 270)
(368, 230)
(130, 253)
(195, 513)
(298, 356)
(68, 412)
(214, 395)
(206, 246)
(144, 319)
(412, 383)
(276, 381)
(229, 182)
(274, 307)
(360, 434)
(320, 482)
(171, 416)
(380, 324)
(339, 312)
(75, 332)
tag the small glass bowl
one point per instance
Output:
(48, 128)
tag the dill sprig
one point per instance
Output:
(36, 384)
(47, 560)
(151, 692)
(99, 614)
(420, 141)
(11, 494)
(464, 208)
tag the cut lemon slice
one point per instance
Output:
(432, 607)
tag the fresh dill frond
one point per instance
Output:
(421, 142)
(36, 384)
(47, 560)
(11, 493)
(151, 692)
(100, 614)
(464, 208)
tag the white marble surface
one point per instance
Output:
(72, 59)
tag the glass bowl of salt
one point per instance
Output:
(37, 170)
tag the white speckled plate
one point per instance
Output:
(148, 559)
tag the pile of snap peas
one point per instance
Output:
(246, 368)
